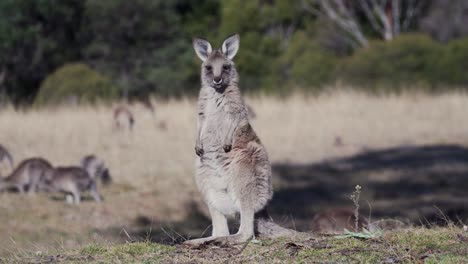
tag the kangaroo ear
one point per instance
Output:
(231, 46)
(202, 47)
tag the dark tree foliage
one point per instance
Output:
(36, 36)
(141, 44)
(144, 46)
(445, 20)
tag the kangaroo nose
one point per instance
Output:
(217, 80)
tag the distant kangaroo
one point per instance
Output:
(72, 180)
(334, 221)
(123, 118)
(233, 173)
(5, 155)
(96, 169)
(29, 175)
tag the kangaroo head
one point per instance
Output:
(92, 165)
(218, 69)
(96, 168)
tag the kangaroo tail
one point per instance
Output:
(266, 227)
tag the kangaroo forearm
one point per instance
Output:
(198, 145)
(201, 120)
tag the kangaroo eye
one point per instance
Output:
(227, 67)
(208, 67)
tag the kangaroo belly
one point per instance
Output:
(216, 186)
(223, 201)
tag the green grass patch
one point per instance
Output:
(438, 245)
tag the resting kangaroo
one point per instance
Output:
(29, 175)
(233, 173)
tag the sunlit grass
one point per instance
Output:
(153, 167)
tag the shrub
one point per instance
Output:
(408, 60)
(78, 81)
(452, 66)
(304, 64)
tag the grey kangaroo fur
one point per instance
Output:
(72, 180)
(123, 118)
(37, 174)
(97, 169)
(5, 155)
(233, 172)
(29, 175)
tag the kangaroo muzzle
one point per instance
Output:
(217, 80)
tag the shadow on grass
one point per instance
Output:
(421, 184)
(195, 225)
(418, 184)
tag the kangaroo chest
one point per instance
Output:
(215, 126)
(214, 170)
(218, 188)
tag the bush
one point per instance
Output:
(258, 24)
(254, 60)
(408, 60)
(452, 66)
(78, 81)
(304, 64)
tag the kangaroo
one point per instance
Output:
(72, 180)
(334, 221)
(233, 172)
(5, 155)
(123, 118)
(96, 169)
(29, 175)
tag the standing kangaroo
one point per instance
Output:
(123, 118)
(233, 172)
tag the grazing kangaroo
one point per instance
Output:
(5, 155)
(29, 175)
(96, 169)
(334, 221)
(72, 180)
(123, 118)
(233, 173)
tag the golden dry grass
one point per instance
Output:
(153, 167)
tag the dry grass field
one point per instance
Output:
(408, 152)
